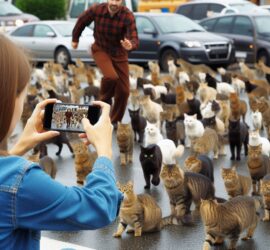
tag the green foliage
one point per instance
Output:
(44, 9)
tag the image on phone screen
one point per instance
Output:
(68, 117)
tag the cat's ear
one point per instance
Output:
(195, 116)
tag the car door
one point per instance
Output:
(243, 35)
(43, 45)
(148, 41)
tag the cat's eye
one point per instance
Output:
(145, 156)
(152, 156)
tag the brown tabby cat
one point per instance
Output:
(229, 219)
(235, 183)
(265, 192)
(84, 160)
(140, 212)
(208, 142)
(183, 188)
(258, 165)
(125, 140)
(263, 106)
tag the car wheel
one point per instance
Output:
(167, 55)
(62, 56)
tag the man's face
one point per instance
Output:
(114, 5)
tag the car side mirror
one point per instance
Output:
(50, 34)
(149, 31)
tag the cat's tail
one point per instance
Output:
(165, 221)
(179, 151)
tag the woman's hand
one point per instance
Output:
(33, 132)
(100, 134)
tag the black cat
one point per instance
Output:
(138, 124)
(194, 106)
(149, 91)
(175, 131)
(151, 161)
(211, 81)
(169, 98)
(238, 135)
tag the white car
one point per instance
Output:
(51, 40)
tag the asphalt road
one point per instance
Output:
(171, 237)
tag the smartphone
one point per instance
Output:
(67, 117)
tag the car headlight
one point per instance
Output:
(192, 44)
(19, 22)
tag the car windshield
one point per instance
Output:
(243, 7)
(177, 23)
(263, 29)
(65, 29)
(7, 9)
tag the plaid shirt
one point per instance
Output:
(108, 31)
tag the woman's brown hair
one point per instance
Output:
(15, 73)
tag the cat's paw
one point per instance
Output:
(147, 187)
(187, 220)
(232, 158)
(238, 158)
(266, 219)
(116, 235)
(130, 231)
(155, 182)
(206, 246)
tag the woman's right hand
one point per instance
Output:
(100, 134)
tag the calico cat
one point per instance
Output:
(255, 140)
(183, 188)
(83, 160)
(206, 143)
(152, 134)
(238, 135)
(229, 219)
(175, 131)
(138, 124)
(201, 164)
(125, 140)
(151, 161)
(150, 110)
(265, 192)
(258, 165)
(140, 212)
(235, 183)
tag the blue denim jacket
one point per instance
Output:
(31, 201)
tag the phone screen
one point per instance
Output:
(67, 117)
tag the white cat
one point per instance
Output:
(133, 82)
(255, 139)
(169, 151)
(238, 85)
(202, 76)
(183, 77)
(193, 127)
(152, 134)
(225, 88)
(256, 118)
(172, 68)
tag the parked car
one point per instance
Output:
(251, 34)
(51, 40)
(165, 36)
(266, 7)
(198, 10)
(11, 16)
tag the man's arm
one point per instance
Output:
(132, 34)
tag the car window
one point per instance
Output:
(185, 10)
(216, 7)
(223, 25)
(41, 30)
(209, 24)
(23, 31)
(242, 26)
(199, 11)
(143, 23)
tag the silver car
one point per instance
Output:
(51, 40)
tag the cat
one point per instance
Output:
(256, 118)
(183, 188)
(209, 141)
(180, 94)
(125, 141)
(265, 193)
(264, 107)
(211, 81)
(152, 134)
(140, 212)
(201, 164)
(225, 88)
(255, 140)
(169, 98)
(84, 160)
(151, 161)
(136, 70)
(224, 113)
(150, 110)
(258, 165)
(238, 135)
(225, 75)
(206, 93)
(238, 85)
(76, 94)
(235, 184)
(193, 127)
(183, 78)
(138, 124)
(170, 153)
(229, 219)
(238, 107)
(89, 92)
(194, 107)
(155, 91)
(134, 98)
(175, 131)
(172, 68)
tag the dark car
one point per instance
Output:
(251, 34)
(165, 36)
(11, 16)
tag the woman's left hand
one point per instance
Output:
(33, 132)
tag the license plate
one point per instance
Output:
(240, 54)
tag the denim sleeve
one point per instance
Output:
(44, 204)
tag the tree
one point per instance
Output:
(44, 9)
